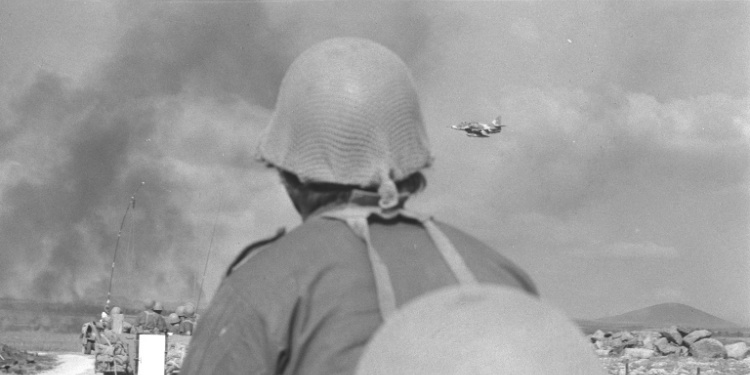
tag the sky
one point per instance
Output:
(620, 182)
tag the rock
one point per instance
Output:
(602, 352)
(668, 336)
(665, 347)
(708, 348)
(682, 332)
(640, 353)
(613, 342)
(675, 332)
(695, 336)
(737, 350)
(672, 335)
(648, 343)
(646, 339)
(628, 340)
(598, 335)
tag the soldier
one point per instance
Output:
(143, 317)
(349, 143)
(187, 325)
(150, 319)
(173, 323)
(160, 325)
(105, 313)
(88, 336)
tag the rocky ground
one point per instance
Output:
(669, 351)
(673, 365)
(16, 361)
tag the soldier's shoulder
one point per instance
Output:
(251, 249)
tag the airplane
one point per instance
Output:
(479, 129)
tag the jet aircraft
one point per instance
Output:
(480, 129)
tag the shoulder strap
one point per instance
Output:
(356, 218)
(245, 254)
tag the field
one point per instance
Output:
(38, 341)
(669, 365)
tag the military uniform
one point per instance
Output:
(150, 322)
(308, 303)
(187, 326)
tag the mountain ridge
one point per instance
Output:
(669, 314)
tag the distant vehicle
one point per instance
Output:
(480, 129)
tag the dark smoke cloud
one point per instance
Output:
(146, 115)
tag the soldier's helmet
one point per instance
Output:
(149, 304)
(158, 307)
(348, 113)
(180, 311)
(173, 318)
(189, 309)
(116, 310)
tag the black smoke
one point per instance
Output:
(84, 149)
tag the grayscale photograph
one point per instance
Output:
(374, 187)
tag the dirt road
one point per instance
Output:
(72, 364)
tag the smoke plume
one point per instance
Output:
(177, 105)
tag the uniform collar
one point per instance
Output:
(362, 198)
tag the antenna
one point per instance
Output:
(208, 255)
(117, 243)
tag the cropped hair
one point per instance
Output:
(316, 195)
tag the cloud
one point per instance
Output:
(525, 29)
(178, 103)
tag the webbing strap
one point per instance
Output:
(356, 218)
(383, 284)
(450, 254)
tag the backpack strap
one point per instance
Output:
(356, 217)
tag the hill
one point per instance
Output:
(665, 315)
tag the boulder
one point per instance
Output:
(708, 348)
(640, 353)
(673, 335)
(646, 339)
(598, 335)
(649, 341)
(737, 350)
(613, 342)
(628, 340)
(683, 332)
(696, 335)
(667, 335)
(665, 347)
